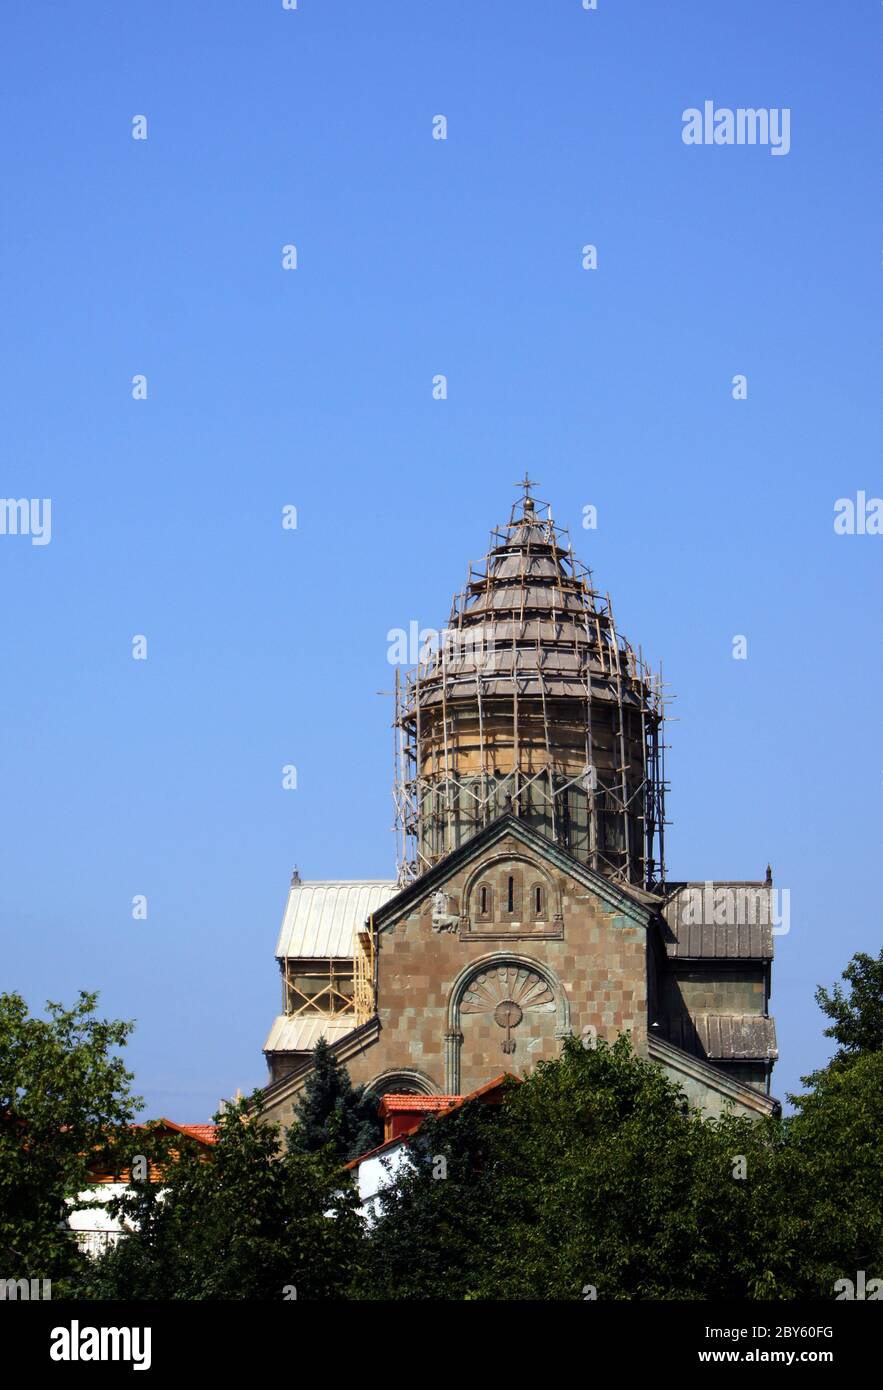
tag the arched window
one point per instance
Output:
(402, 1083)
(511, 893)
(485, 903)
(538, 902)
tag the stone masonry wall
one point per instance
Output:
(594, 962)
(715, 988)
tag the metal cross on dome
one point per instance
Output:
(527, 485)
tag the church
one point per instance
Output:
(531, 900)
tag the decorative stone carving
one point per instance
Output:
(508, 1015)
(442, 918)
(507, 992)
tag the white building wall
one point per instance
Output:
(96, 1229)
(378, 1172)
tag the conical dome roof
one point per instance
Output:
(529, 613)
(531, 700)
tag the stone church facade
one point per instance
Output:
(531, 901)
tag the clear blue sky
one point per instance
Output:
(313, 388)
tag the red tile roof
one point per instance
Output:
(203, 1134)
(402, 1104)
(206, 1134)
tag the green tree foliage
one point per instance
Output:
(834, 1184)
(241, 1219)
(65, 1101)
(857, 1018)
(594, 1172)
(332, 1112)
(593, 1175)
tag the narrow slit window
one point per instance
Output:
(511, 894)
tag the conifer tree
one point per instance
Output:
(333, 1111)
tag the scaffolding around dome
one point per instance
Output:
(531, 701)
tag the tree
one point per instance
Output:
(331, 1111)
(64, 1100)
(242, 1219)
(594, 1174)
(858, 1017)
(834, 1180)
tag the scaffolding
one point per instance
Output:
(531, 701)
(317, 985)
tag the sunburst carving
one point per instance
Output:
(507, 984)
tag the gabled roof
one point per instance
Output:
(628, 899)
(321, 916)
(206, 1135)
(687, 1066)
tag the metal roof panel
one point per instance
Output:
(321, 916)
(301, 1032)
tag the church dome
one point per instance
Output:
(531, 701)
